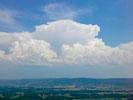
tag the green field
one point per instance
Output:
(64, 89)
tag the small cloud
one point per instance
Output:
(58, 11)
(6, 17)
(8, 20)
(55, 11)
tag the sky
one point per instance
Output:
(66, 38)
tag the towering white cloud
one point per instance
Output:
(66, 31)
(96, 52)
(24, 49)
(77, 44)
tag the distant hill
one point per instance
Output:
(119, 82)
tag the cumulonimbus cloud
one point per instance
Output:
(77, 44)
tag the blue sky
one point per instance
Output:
(24, 20)
(114, 17)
